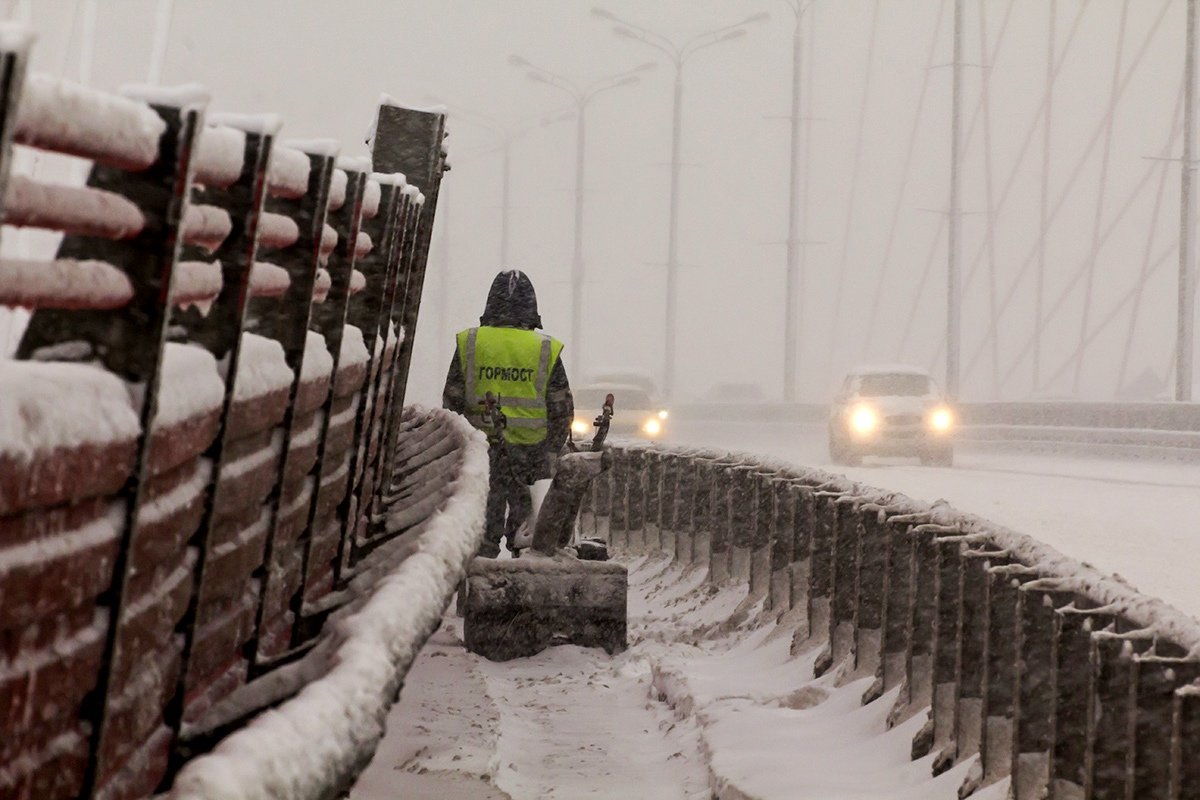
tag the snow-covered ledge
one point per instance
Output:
(312, 745)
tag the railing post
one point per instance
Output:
(687, 477)
(740, 517)
(635, 511)
(899, 610)
(705, 513)
(996, 750)
(318, 547)
(220, 332)
(410, 141)
(370, 478)
(972, 645)
(286, 321)
(1033, 688)
(760, 543)
(1155, 681)
(720, 530)
(919, 645)
(1072, 643)
(804, 522)
(366, 312)
(652, 532)
(783, 541)
(668, 504)
(947, 633)
(1112, 714)
(845, 542)
(1185, 732)
(820, 580)
(618, 516)
(874, 574)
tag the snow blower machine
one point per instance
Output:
(562, 589)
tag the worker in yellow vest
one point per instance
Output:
(507, 357)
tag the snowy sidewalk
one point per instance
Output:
(709, 701)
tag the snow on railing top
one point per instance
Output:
(337, 189)
(71, 209)
(69, 118)
(268, 280)
(206, 226)
(1063, 571)
(358, 282)
(287, 176)
(314, 743)
(372, 193)
(390, 178)
(318, 363)
(63, 284)
(262, 368)
(220, 154)
(277, 230)
(50, 406)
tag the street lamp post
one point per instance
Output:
(678, 54)
(581, 96)
(794, 282)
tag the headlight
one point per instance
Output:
(663, 414)
(652, 427)
(864, 420)
(941, 419)
(580, 426)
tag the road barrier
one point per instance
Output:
(1063, 679)
(203, 455)
(1155, 430)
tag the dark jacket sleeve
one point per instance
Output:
(560, 408)
(454, 395)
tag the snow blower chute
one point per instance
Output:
(557, 592)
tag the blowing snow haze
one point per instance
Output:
(1084, 212)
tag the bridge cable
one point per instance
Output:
(851, 201)
(900, 193)
(1065, 292)
(1072, 180)
(1102, 190)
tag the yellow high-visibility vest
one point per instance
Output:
(514, 365)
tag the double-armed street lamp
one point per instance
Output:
(505, 136)
(677, 54)
(581, 96)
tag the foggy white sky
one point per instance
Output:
(322, 65)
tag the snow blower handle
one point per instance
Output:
(494, 417)
(602, 423)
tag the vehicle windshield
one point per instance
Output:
(593, 399)
(894, 385)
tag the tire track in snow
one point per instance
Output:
(575, 723)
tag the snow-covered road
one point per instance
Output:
(1139, 519)
(714, 698)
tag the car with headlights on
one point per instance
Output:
(891, 411)
(636, 411)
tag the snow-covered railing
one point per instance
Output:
(314, 744)
(1038, 666)
(188, 465)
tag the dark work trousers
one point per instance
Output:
(512, 470)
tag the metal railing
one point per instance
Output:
(1064, 679)
(202, 420)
